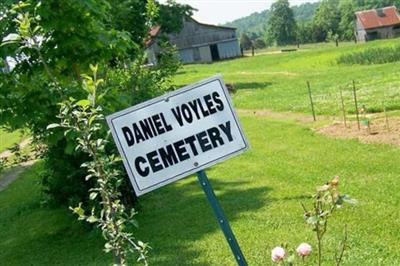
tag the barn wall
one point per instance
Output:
(361, 33)
(186, 55)
(229, 49)
(382, 33)
(194, 41)
(151, 54)
(205, 54)
(196, 34)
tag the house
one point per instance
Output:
(197, 43)
(382, 23)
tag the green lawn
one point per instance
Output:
(278, 81)
(7, 139)
(260, 192)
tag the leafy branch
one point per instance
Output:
(86, 120)
(326, 201)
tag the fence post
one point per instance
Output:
(356, 105)
(343, 108)
(311, 100)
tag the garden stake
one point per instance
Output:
(343, 109)
(386, 118)
(311, 100)
(222, 220)
(355, 103)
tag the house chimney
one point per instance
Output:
(380, 12)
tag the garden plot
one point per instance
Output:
(380, 132)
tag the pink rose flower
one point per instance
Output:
(304, 249)
(277, 254)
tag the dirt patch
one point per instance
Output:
(10, 175)
(8, 153)
(378, 133)
(283, 73)
(326, 125)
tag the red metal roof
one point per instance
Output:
(370, 19)
(154, 31)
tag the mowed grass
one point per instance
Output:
(278, 81)
(7, 139)
(35, 235)
(260, 192)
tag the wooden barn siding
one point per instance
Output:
(229, 49)
(194, 34)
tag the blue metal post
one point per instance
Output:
(222, 221)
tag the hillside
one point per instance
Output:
(256, 22)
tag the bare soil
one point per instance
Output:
(10, 175)
(8, 153)
(378, 132)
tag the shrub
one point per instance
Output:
(52, 47)
(370, 56)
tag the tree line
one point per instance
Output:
(333, 20)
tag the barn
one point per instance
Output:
(197, 43)
(382, 23)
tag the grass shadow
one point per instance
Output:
(251, 85)
(175, 217)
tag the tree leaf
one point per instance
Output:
(54, 125)
(83, 103)
(93, 195)
(92, 219)
(312, 220)
(11, 38)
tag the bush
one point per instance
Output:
(49, 69)
(370, 56)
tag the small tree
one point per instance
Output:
(282, 25)
(84, 120)
(245, 41)
(259, 44)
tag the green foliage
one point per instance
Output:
(259, 192)
(304, 32)
(347, 20)
(256, 23)
(370, 56)
(53, 43)
(85, 120)
(171, 16)
(259, 43)
(245, 42)
(326, 20)
(326, 201)
(328, 17)
(282, 25)
(278, 81)
(130, 16)
(7, 139)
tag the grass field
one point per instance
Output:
(278, 81)
(260, 192)
(7, 139)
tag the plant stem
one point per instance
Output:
(342, 247)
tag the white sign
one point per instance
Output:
(177, 134)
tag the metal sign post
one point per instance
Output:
(222, 220)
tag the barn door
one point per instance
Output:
(214, 52)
